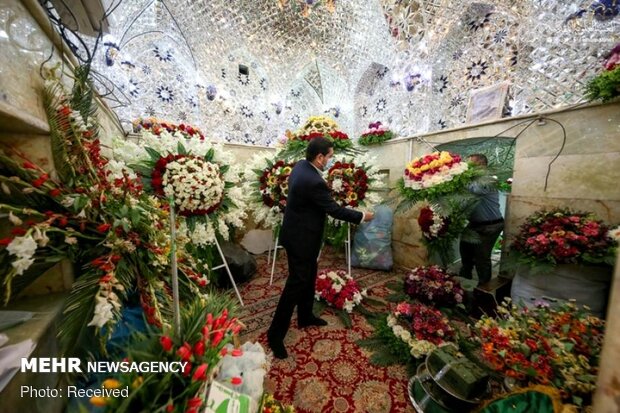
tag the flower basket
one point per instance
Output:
(317, 126)
(561, 236)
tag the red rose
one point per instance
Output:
(5, 241)
(55, 192)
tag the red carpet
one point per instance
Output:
(326, 370)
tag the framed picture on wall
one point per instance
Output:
(487, 103)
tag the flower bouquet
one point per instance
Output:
(606, 85)
(268, 188)
(375, 134)
(440, 232)
(433, 285)
(558, 347)
(339, 290)
(207, 328)
(435, 175)
(156, 127)
(561, 236)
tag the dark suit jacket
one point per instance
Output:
(309, 200)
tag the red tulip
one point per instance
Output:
(185, 352)
(201, 373)
(103, 227)
(194, 402)
(166, 343)
(199, 348)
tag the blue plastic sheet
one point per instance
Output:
(372, 242)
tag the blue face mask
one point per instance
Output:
(329, 164)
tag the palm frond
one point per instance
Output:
(74, 333)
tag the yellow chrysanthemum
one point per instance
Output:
(111, 384)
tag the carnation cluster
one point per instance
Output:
(433, 169)
(348, 182)
(559, 347)
(195, 184)
(561, 236)
(433, 285)
(338, 289)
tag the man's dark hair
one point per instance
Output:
(318, 146)
(479, 159)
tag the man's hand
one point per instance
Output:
(368, 216)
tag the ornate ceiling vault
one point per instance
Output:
(247, 70)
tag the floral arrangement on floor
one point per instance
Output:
(197, 174)
(606, 85)
(436, 174)
(558, 347)
(561, 236)
(407, 334)
(267, 185)
(433, 285)
(206, 328)
(157, 126)
(339, 290)
(271, 405)
(375, 135)
(316, 126)
(95, 213)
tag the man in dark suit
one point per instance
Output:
(309, 200)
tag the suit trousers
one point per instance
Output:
(298, 291)
(479, 255)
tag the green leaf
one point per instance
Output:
(191, 223)
(346, 318)
(209, 155)
(153, 154)
(181, 149)
(224, 168)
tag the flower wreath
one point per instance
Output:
(268, 188)
(316, 126)
(338, 289)
(348, 182)
(196, 174)
(434, 175)
(157, 126)
(375, 134)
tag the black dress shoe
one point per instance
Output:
(316, 321)
(277, 346)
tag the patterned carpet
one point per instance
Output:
(325, 371)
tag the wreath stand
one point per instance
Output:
(176, 312)
(276, 233)
(276, 236)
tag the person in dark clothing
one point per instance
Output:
(487, 221)
(309, 201)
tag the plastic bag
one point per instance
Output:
(372, 242)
